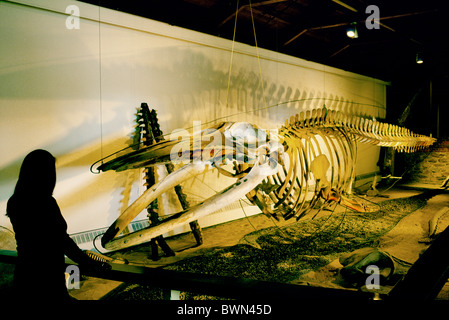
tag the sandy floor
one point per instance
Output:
(405, 242)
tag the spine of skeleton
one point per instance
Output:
(361, 129)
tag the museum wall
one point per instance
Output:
(72, 87)
(428, 168)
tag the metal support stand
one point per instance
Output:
(148, 133)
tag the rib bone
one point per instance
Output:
(212, 204)
(169, 182)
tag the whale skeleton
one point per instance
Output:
(285, 173)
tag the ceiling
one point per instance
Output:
(316, 30)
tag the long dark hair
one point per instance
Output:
(37, 175)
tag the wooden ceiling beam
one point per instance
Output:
(253, 5)
(341, 3)
(305, 30)
(270, 17)
(339, 51)
(264, 3)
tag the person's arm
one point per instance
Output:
(72, 251)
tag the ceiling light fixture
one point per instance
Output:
(351, 31)
(419, 59)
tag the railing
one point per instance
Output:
(423, 281)
(226, 287)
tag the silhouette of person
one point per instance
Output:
(41, 232)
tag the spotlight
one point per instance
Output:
(351, 31)
(419, 59)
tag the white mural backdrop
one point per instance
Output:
(73, 74)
